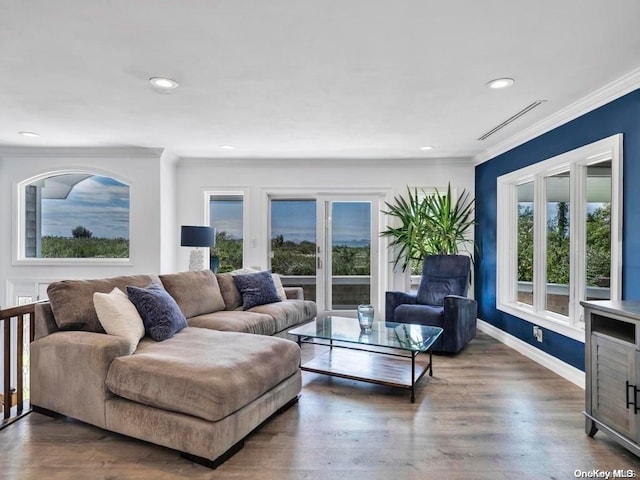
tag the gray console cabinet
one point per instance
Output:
(612, 374)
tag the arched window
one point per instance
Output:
(74, 215)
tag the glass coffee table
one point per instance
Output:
(387, 355)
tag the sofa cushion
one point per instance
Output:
(160, 313)
(420, 314)
(204, 373)
(194, 292)
(256, 289)
(118, 316)
(236, 321)
(72, 300)
(279, 288)
(288, 313)
(230, 293)
(433, 291)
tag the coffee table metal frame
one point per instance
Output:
(414, 349)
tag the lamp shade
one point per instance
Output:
(197, 236)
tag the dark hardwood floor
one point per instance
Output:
(487, 413)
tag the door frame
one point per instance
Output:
(324, 229)
(381, 270)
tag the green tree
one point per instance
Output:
(525, 244)
(599, 246)
(229, 250)
(81, 232)
(292, 258)
(558, 246)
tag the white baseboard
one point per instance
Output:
(563, 369)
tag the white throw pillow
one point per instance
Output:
(119, 316)
(279, 288)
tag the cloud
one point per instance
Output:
(232, 226)
(92, 191)
(99, 204)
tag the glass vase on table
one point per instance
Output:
(366, 314)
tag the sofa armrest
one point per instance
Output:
(394, 299)
(45, 322)
(68, 373)
(294, 293)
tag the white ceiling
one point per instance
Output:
(302, 78)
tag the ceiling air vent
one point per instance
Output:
(512, 118)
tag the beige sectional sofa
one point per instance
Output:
(201, 391)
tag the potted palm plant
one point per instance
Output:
(429, 224)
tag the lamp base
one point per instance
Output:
(196, 260)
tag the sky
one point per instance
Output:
(295, 220)
(100, 204)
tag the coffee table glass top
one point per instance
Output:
(404, 336)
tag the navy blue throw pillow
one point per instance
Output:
(160, 313)
(256, 289)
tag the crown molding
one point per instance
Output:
(616, 89)
(322, 162)
(80, 152)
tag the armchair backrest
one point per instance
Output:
(443, 275)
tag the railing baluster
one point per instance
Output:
(7, 368)
(21, 312)
(20, 363)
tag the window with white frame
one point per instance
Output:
(73, 215)
(226, 216)
(559, 236)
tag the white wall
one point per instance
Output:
(167, 192)
(140, 168)
(256, 177)
(169, 236)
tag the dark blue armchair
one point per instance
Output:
(441, 301)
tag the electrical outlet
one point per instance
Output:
(537, 333)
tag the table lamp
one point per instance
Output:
(197, 236)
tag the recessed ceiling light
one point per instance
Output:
(163, 83)
(226, 147)
(501, 83)
(427, 147)
(29, 134)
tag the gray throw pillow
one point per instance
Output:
(160, 313)
(256, 289)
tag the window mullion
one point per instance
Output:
(616, 219)
(539, 244)
(578, 243)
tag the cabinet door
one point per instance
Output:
(613, 365)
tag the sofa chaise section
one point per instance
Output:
(204, 373)
(202, 391)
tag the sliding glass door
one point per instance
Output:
(347, 254)
(328, 244)
(294, 249)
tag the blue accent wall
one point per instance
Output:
(619, 116)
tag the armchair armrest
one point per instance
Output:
(460, 316)
(68, 373)
(394, 299)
